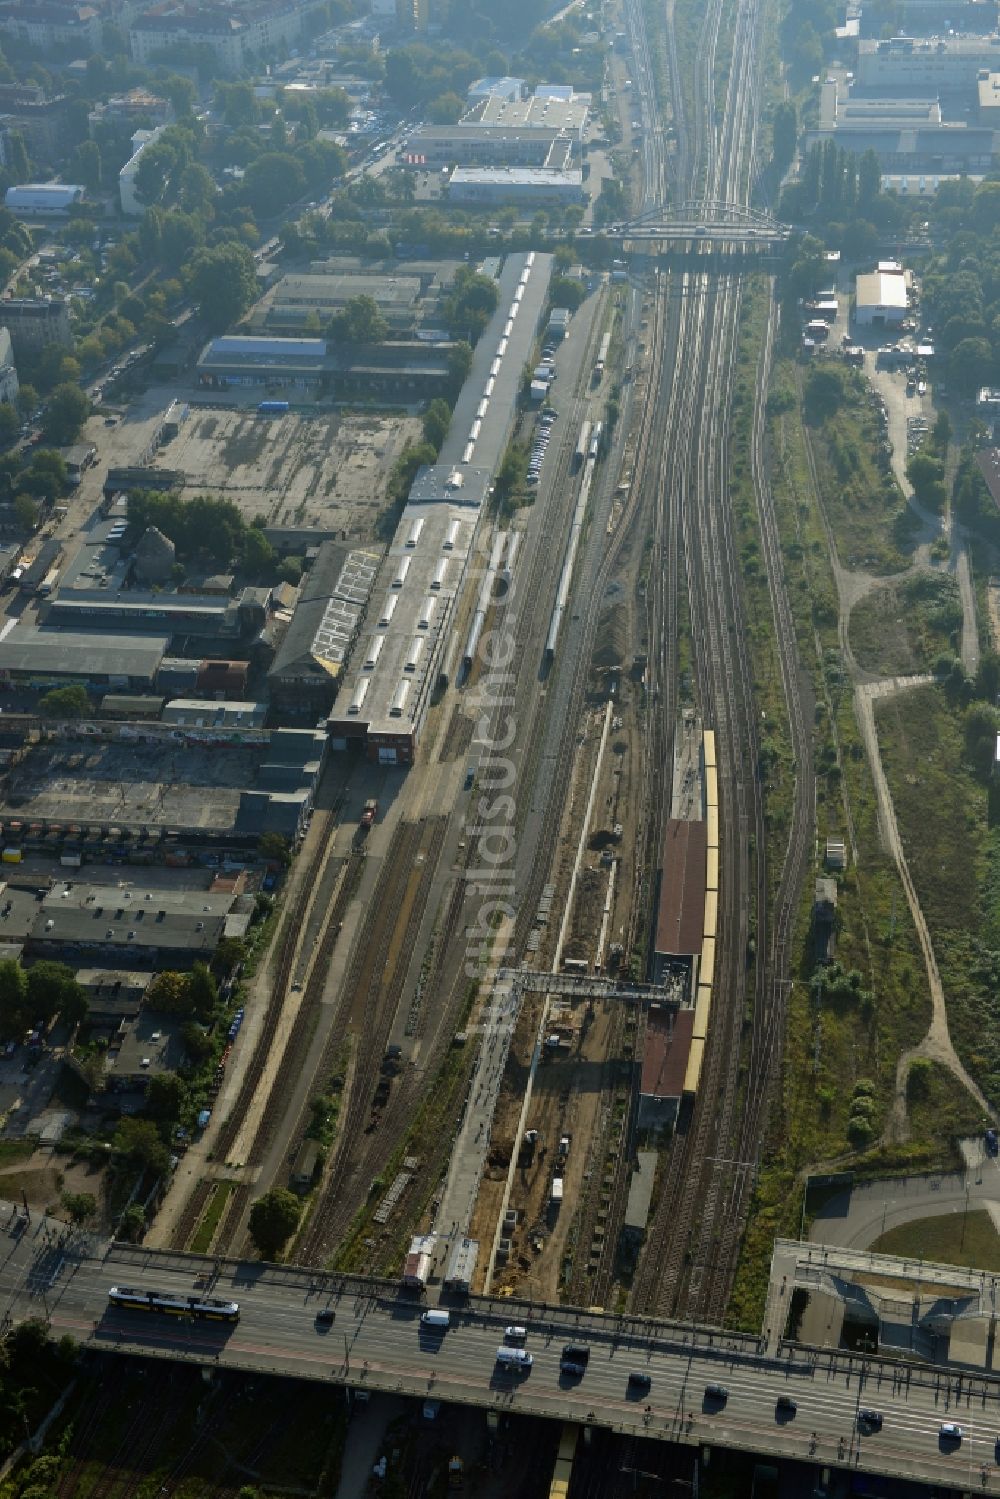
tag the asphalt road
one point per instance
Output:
(376, 1340)
(858, 1217)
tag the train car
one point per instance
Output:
(208, 1308)
(702, 1012)
(582, 445)
(712, 830)
(711, 912)
(712, 863)
(692, 1073)
(706, 968)
(272, 408)
(595, 440)
(709, 747)
(711, 790)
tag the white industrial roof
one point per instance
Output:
(882, 289)
(49, 193)
(517, 176)
(309, 348)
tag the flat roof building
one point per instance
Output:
(239, 359)
(525, 185)
(666, 1048)
(880, 299)
(495, 88)
(472, 144)
(568, 116)
(150, 926)
(40, 656)
(680, 915)
(938, 64)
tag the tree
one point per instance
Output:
(784, 134)
(203, 991)
(446, 109)
(138, 1140)
(132, 1224)
(926, 474)
(272, 182)
(27, 398)
(273, 1219)
(79, 1205)
(223, 283)
(52, 989)
(471, 303)
(25, 511)
(564, 291)
(86, 165)
(437, 420)
(170, 992)
(67, 410)
(8, 423)
(274, 848)
(358, 322)
(65, 702)
(13, 998)
(824, 394)
(165, 1097)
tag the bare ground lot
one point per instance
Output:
(327, 469)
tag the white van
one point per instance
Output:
(514, 1358)
(436, 1319)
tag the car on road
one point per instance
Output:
(869, 1420)
(716, 1394)
(515, 1335)
(325, 1317)
(571, 1368)
(638, 1379)
(785, 1406)
(950, 1432)
(992, 1141)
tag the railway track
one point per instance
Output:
(709, 1174)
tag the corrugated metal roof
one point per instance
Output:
(268, 348)
(665, 1053)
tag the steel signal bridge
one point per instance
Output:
(730, 226)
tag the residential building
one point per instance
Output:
(36, 322)
(42, 122)
(132, 204)
(235, 33)
(8, 371)
(138, 109)
(52, 26)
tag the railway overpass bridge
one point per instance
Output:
(376, 1342)
(718, 226)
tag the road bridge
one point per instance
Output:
(376, 1341)
(730, 226)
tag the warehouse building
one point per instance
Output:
(495, 88)
(311, 659)
(472, 145)
(285, 363)
(387, 689)
(40, 200)
(516, 185)
(880, 299)
(41, 657)
(295, 298)
(161, 928)
(559, 110)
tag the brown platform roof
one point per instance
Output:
(680, 919)
(665, 1053)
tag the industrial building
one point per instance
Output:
(474, 145)
(160, 928)
(297, 297)
(880, 298)
(517, 185)
(310, 660)
(43, 199)
(511, 89)
(285, 363)
(907, 133)
(547, 109)
(42, 657)
(934, 65)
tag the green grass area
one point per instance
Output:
(904, 627)
(967, 1239)
(948, 819)
(201, 1241)
(939, 1109)
(862, 500)
(831, 1045)
(13, 1152)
